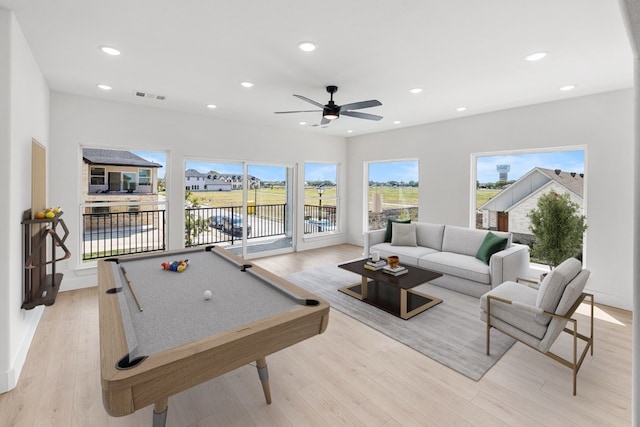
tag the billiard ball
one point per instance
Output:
(207, 294)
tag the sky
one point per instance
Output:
(520, 164)
(404, 171)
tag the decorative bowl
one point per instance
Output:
(393, 261)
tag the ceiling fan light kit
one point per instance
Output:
(332, 111)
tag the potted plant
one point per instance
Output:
(558, 228)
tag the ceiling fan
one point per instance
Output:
(332, 111)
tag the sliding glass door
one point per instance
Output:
(247, 208)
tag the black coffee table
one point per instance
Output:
(393, 294)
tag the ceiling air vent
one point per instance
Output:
(149, 95)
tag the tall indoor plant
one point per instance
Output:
(558, 228)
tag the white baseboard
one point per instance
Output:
(9, 378)
(79, 278)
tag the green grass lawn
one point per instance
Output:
(264, 196)
(483, 195)
(407, 196)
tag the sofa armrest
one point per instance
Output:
(372, 238)
(509, 264)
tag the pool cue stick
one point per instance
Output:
(133, 291)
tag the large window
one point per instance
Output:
(392, 192)
(508, 186)
(320, 197)
(122, 199)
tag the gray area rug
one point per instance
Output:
(450, 333)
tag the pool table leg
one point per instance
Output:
(160, 412)
(263, 373)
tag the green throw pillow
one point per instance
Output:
(490, 246)
(389, 233)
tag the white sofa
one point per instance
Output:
(452, 251)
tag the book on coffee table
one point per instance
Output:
(379, 263)
(374, 267)
(397, 271)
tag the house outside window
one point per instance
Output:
(508, 185)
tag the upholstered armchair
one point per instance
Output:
(536, 315)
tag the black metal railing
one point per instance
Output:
(206, 225)
(318, 219)
(134, 231)
(107, 232)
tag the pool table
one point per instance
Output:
(160, 334)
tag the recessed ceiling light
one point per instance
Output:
(415, 90)
(568, 87)
(246, 84)
(307, 46)
(461, 109)
(349, 131)
(212, 106)
(302, 123)
(110, 50)
(104, 87)
(536, 56)
(397, 122)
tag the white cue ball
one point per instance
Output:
(207, 294)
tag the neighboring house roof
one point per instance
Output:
(217, 176)
(574, 183)
(97, 156)
(193, 172)
(532, 182)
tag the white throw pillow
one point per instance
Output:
(403, 235)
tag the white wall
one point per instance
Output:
(78, 121)
(24, 102)
(603, 123)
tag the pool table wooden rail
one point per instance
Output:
(167, 373)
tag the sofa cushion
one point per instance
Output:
(465, 266)
(389, 233)
(429, 235)
(513, 315)
(408, 254)
(403, 234)
(552, 286)
(467, 241)
(490, 245)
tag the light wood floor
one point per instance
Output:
(350, 375)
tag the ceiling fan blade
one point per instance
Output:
(324, 122)
(360, 105)
(299, 111)
(311, 101)
(361, 115)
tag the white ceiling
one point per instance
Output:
(460, 52)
